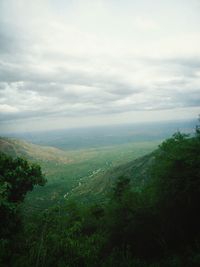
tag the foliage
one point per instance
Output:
(176, 184)
(17, 177)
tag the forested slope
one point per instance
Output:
(99, 185)
(157, 225)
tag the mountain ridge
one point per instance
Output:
(20, 148)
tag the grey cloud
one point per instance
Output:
(77, 92)
(12, 41)
(191, 99)
(119, 87)
(6, 42)
(58, 82)
(192, 62)
(185, 66)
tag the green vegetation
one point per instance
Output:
(151, 223)
(74, 173)
(16, 179)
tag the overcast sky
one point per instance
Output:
(68, 63)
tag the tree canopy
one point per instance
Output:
(17, 177)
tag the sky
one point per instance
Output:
(75, 63)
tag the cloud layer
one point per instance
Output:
(79, 58)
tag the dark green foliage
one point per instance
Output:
(164, 217)
(176, 184)
(63, 236)
(17, 177)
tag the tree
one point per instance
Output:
(17, 177)
(176, 188)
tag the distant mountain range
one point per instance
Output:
(93, 137)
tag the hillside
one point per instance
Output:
(16, 147)
(158, 223)
(84, 174)
(98, 185)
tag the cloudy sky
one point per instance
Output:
(70, 63)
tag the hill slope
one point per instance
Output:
(16, 147)
(85, 175)
(99, 184)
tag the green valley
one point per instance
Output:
(134, 204)
(74, 173)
